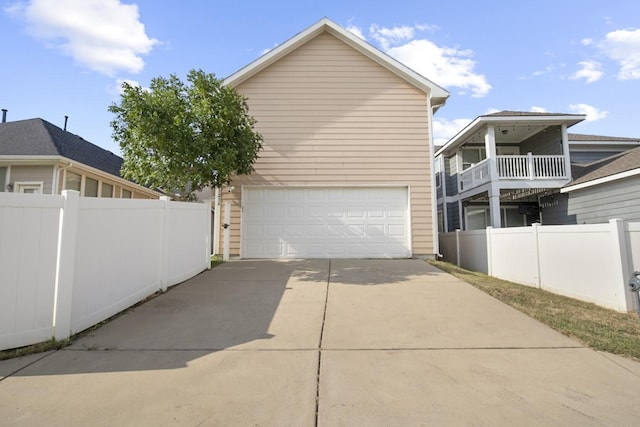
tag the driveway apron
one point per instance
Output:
(321, 342)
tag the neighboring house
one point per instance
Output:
(506, 169)
(608, 188)
(38, 157)
(346, 168)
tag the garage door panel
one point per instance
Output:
(332, 222)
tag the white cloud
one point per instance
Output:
(623, 46)
(444, 129)
(591, 71)
(536, 109)
(387, 37)
(357, 31)
(103, 35)
(586, 42)
(590, 111)
(449, 67)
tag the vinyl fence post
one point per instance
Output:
(535, 229)
(227, 230)
(489, 231)
(164, 250)
(65, 264)
(207, 237)
(458, 247)
(624, 267)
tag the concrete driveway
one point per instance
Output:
(326, 343)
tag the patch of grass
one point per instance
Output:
(597, 327)
(42, 347)
(215, 260)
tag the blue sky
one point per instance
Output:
(67, 57)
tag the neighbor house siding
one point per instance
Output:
(547, 142)
(584, 157)
(598, 204)
(453, 216)
(331, 116)
(34, 173)
(554, 210)
(451, 171)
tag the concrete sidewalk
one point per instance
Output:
(319, 342)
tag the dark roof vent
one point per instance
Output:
(4, 115)
(65, 122)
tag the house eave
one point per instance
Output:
(476, 125)
(61, 161)
(437, 94)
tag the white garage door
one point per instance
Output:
(325, 222)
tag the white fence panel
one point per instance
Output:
(28, 251)
(590, 262)
(448, 247)
(473, 250)
(514, 255)
(118, 254)
(187, 225)
(579, 261)
(67, 263)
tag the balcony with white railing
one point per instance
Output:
(516, 168)
(531, 167)
(476, 175)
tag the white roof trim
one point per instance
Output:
(603, 180)
(437, 94)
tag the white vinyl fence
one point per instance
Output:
(591, 262)
(67, 263)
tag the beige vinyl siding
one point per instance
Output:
(331, 116)
(33, 173)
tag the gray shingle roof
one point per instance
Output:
(583, 137)
(622, 162)
(37, 137)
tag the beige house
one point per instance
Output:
(39, 157)
(346, 169)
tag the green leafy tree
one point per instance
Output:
(183, 137)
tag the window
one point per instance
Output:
(471, 156)
(73, 181)
(107, 190)
(126, 194)
(3, 177)
(479, 217)
(438, 170)
(440, 222)
(91, 187)
(28, 187)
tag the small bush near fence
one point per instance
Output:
(598, 327)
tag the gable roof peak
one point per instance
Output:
(437, 94)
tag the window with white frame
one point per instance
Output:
(28, 187)
(107, 190)
(3, 178)
(73, 181)
(90, 187)
(438, 171)
(471, 156)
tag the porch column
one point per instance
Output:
(565, 150)
(494, 206)
(490, 149)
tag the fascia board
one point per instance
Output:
(603, 180)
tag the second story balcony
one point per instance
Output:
(527, 167)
